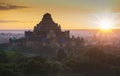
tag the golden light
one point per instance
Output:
(106, 21)
(105, 28)
(106, 24)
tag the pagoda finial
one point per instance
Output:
(47, 18)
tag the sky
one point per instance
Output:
(70, 14)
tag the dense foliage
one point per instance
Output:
(93, 62)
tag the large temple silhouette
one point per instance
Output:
(47, 33)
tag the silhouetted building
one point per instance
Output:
(46, 33)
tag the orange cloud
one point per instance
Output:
(4, 6)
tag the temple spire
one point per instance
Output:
(47, 18)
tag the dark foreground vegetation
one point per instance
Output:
(93, 62)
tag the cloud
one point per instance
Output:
(8, 21)
(14, 21)
(4, 6)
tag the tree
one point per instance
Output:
(61, 55)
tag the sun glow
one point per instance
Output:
(105, 22)
(106, 25)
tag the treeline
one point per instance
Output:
(93, 62)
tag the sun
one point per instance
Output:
(105, 21)
(106, 25)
